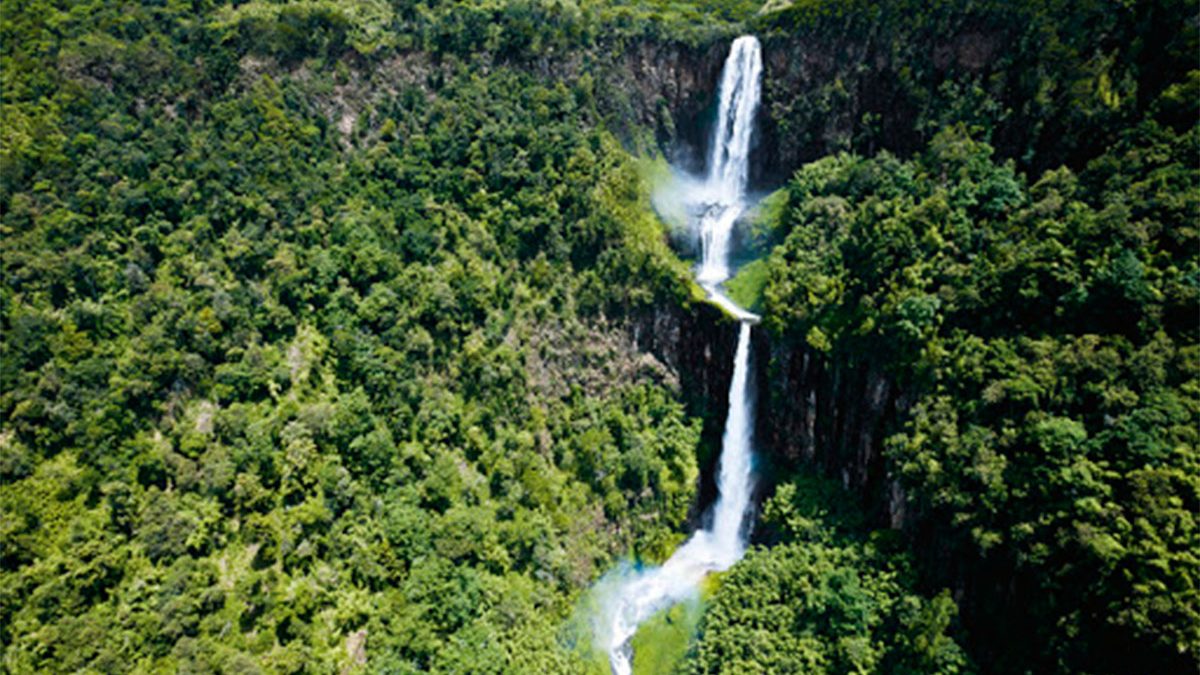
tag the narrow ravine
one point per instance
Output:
(714, 207)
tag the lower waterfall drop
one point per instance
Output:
(709, 550)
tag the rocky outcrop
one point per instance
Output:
(854, 90)
(835, 416)
(669, 87)
(810, 410)
(832, 416)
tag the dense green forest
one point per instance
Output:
(323, 335)
(1042, 319)
(1051, 332)
(281, 396)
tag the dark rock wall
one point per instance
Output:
(670, 88)
(852, 91)
(698, 342)
(832, 416)
(822, 93)
(835, 416)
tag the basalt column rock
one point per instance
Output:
(698, 342)
(835, 417)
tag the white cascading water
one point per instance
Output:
(717, 205)
(722, 197)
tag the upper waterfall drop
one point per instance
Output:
(716, 207)
(722, 198)
(729, 157)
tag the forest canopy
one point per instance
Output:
(324, 333)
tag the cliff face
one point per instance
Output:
(833, 416)
(822, 93)
(668, 87)
(809, 410)
(698, 343)
(854, 91)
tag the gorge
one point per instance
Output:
(349, 336)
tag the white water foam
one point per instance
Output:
(714, 549)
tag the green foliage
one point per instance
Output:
(313, 355)
(283, 28)
(746, 287)
(1047, 333)
(764, 222)
(763, 230)
(824, 598)
(290, 374)
(663, 640)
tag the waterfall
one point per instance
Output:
(722, 197)
(716, 207)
